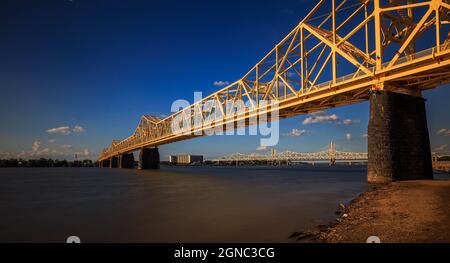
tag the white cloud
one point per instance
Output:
(43, 152)
(35, 147)
(57, 151)
(365, 136)
(261, 148)
(441, 148)
(65, 130)
(36, 151)
(297, 133)
(21, 154)
(348, 136)
(78, 129)
(51, 141)
(350, 122)
(84, 153)
(320, 117)
(444, 132)
(5, 155)
(221, 83)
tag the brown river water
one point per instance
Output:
(175, 204)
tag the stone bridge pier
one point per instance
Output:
(113, 162)
(149, 158)
(398, 140)
(126, 161)
(105, 163)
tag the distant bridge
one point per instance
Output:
(331, 154)
(443, 166)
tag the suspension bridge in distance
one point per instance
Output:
(342, 52)
(330, 155)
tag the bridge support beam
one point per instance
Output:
(126, 161)
(398, 140)
(113, 162)
(149, 159)
(105, 163)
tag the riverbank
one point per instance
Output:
(405, 212)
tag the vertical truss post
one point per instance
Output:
(438, 27)
(366, 29)
(333, 11)
(378, 49)
(411, 16)
(257, 84)
(302, 62)
(277, 70)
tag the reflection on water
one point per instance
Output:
(175, 204)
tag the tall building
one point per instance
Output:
(185, 159)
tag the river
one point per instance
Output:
(174, 204)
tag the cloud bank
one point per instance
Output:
(221, 83)
(297, 133)
(444, 132)
(66, 130)
(320, 117)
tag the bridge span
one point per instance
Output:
(331, 155)
(441, 166)
(342, 52)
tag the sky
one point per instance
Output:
(74, 75)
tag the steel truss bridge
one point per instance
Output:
(443, 166)
(330, 154)
(337, 55)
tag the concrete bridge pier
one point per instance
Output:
(105, 163)
(398, 140)
(126, 161)
(113, 162)
(149, 159)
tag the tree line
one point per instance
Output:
(43, 162)
(444, 158)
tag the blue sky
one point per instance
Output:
(100, 65)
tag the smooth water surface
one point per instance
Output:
(175, 204)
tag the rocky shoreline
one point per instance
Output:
(401, 212)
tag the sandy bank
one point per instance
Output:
(412, 211)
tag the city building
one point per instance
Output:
(185, 159)
(173, 159)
